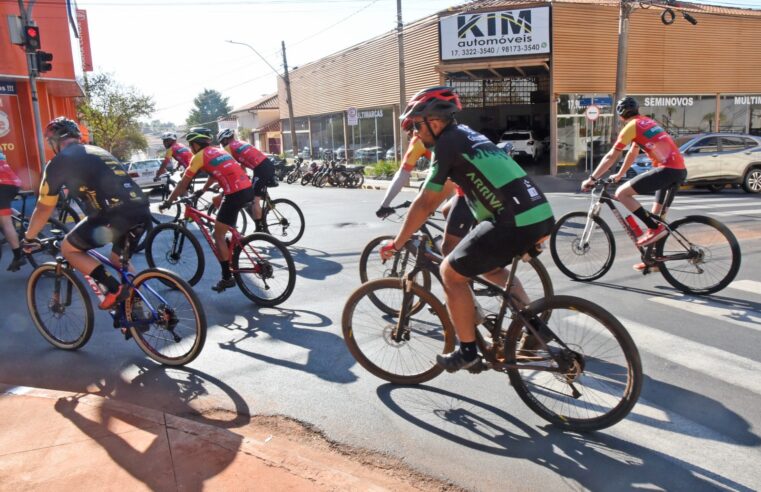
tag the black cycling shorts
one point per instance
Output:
(120, 225)
(264, 173)
(232, 204)
(490, 246)
(658, 180)
(7, 194)
(460, 219)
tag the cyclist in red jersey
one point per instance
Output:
(252, 158)
(668, 167)
(236, 188)
(175, 151)
(9, 187)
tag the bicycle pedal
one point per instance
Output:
(126, 332)
(478, 367)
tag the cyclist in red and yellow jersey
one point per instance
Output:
(668, 167)
(175, 151)
(252, 158)
(9, 186)
(236, 187)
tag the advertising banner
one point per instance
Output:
(12, 137)
(495, 34)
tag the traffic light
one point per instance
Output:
(43, 61)
(32, 38)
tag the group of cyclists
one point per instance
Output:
(495, 211)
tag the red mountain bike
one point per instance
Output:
(261, 265)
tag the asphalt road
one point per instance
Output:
(695, 427)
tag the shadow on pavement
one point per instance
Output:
(620, 464)
(326, 358)
(314, 264)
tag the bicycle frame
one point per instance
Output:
(428, 260)
(206, 223)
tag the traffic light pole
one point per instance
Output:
(31, 62)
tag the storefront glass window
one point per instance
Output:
(680, 115)
(372, 136)
(581, 143)
(327, 134)
(740, 114)
(302, 137)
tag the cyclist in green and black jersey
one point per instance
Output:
(513, 214)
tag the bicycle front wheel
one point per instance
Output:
(284, 221)
(171, 214)
(373, 339)
(581, 254)
(601, 377)
(173, 247)
(371, 267)
(59, 306)
(707, 251)
(531, 276)
(264, 269)
(165, 317)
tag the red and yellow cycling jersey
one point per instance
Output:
(7, 176)
(181, 154)
(245, 153)
(653, 139)
(415, 150)
(222, 167)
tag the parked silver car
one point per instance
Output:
(142, 172)
(714, 160)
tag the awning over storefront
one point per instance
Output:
(491, 69)
(269, 127)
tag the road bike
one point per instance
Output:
(261, 265)
(581, 371)
(20, 221)
(161, 311)
(700, 255)
(531, 275)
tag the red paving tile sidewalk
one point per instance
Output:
(53, 440)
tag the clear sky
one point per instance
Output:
(173, 49)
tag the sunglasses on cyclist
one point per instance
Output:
(417, 125)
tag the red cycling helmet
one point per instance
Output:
(439, 101)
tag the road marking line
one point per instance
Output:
(707, 206)
(751, 286)
(737, 212)
(702, 307)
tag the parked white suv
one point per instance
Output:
(524, 143)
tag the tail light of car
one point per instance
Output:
(134, 174)
(530, 142)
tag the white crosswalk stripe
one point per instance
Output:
(703, 307)
(751, 286)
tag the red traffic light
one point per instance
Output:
(31, 38)
(32, 32)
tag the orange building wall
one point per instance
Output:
(55, 88)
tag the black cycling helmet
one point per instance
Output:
(198, 134)
(627, 107)
(61, 128)
(223, 134)
(439, 101)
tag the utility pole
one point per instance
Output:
(31, 62)
(289, 100)
(623, 49)
(402, 89)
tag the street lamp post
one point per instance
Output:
(287, 82)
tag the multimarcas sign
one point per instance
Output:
(495, 34)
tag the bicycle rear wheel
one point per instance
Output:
(603, 365)
(283, 220)
(60, 306)
(588, 261)
(166, 317)
(371, 267)
(712, 255)
(175, 248)
(369, 333)
(264, 269)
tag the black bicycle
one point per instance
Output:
(700, 255)
(578, 368)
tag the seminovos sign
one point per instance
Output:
(495, 34)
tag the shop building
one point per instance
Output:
(536, 66)
(63, 33)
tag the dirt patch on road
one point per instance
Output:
(306, 451)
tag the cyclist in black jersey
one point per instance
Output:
(116, 207)
(512, 213)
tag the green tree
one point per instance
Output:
(209, 105)
(111, 112)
